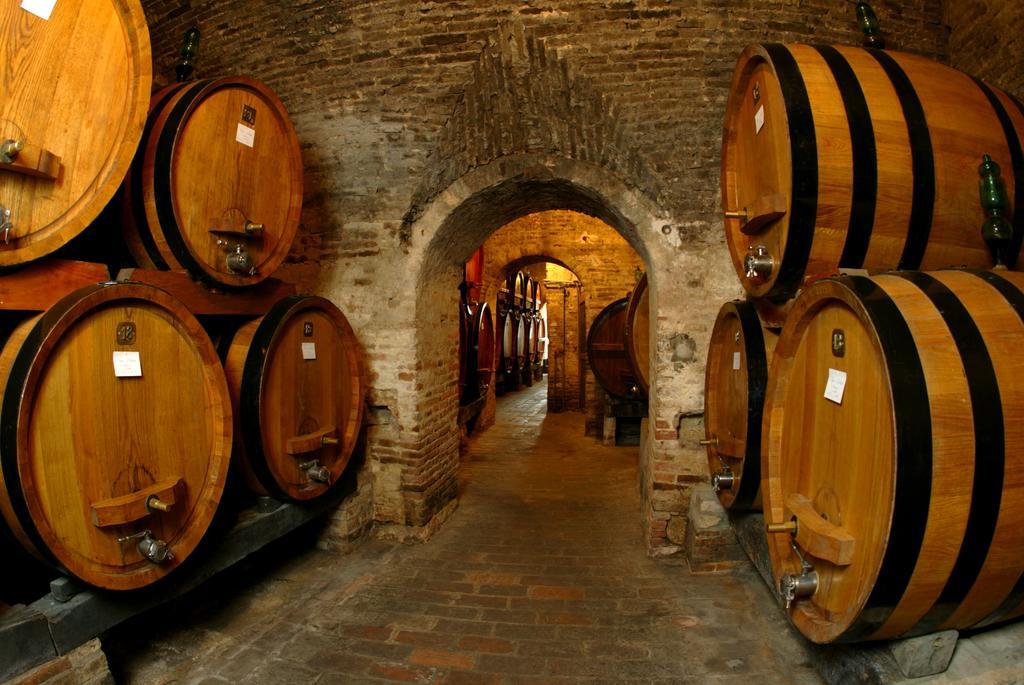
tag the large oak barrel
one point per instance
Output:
(473, 275)
(735, 382)
(638, 333)
(606, 351)
(482, 352)
(542, 343)
(298, 390)
(535, 340)
(508, 341)
(517, 286)
(859, 158)
(465, 345)
(895, 417)
(116, 434)
(216, 187)
(75, 88)
(524, 338)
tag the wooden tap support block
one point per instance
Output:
(34, 161)
(817, 536)
(118, 511)
(310, 441)
(765, 210)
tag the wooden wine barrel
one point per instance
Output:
(543, 341)
(735, 382)
(216, 187)
(895, 416)
(508, 342)
(517, 287)
(859, 158)
(523, 337)
(482, 352)
(474, 275)
(638, 334)
(606, 351)
(77, 112)
(298, 391)
(535, 341)
(117, 434)
(465, 344)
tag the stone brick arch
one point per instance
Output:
(446, 233)
(534, 258)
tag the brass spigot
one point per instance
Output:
(784, 527)
(154, 503)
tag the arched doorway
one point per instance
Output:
(451, 228)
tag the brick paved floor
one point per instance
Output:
(539, 577)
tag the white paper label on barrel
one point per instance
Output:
(245, 135)
(759, 118)
(735, 361)
(127, 364)
(835, 386)
(41, 8)
(309, 350)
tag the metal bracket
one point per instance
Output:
(758, 264)
(838, 342)
(238, 259)
(315, 471)
(9, 150)
(5, 224)
(155, 550)
(724, 479)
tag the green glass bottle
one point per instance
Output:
(997, 232)
(188, 55)
(868, 21)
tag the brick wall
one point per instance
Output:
(426, 126)
(565, 392)
(986, 41)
